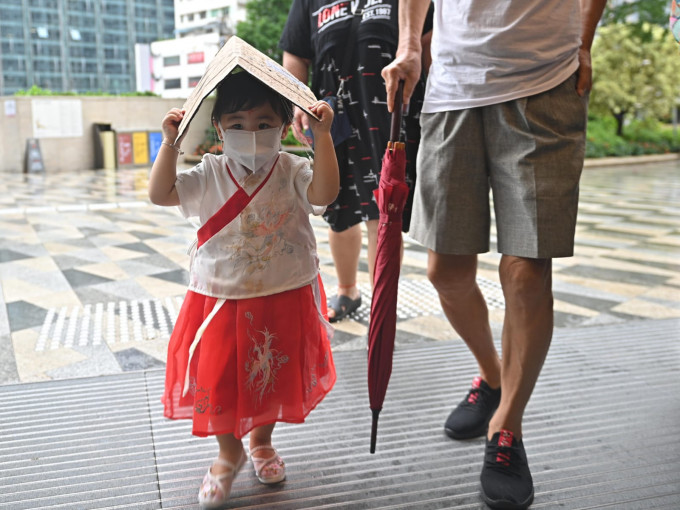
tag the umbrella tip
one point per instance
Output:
(374, 428)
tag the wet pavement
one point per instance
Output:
(92, 274)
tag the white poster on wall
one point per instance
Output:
(10, 108)
(57, 118)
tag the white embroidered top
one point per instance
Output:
(266, 249)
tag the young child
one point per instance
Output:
(251, 344)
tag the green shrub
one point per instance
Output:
(39, 91)
(640, 137)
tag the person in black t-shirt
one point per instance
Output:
(315, 38)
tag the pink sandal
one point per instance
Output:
(269, 469)
(215, 490)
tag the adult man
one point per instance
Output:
(505, 108)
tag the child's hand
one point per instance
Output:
(325, 113)
(170, 126)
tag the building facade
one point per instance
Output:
(77, 45)
(172, 68)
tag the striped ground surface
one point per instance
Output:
(601, 431)
(152, 319)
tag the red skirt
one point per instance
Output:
(259, 361)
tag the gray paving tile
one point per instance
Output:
(81, 278)
(23, 315)
(133, 359)
(8, 366)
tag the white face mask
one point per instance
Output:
(251, 148)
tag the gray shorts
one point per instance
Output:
(529, 152)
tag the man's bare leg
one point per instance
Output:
(455, 279)
(527, 332)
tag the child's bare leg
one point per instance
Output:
(261, 436)
(269, 467)
(230, 450)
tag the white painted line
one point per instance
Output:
(58, 327)
(44, 331)
(123, 321)
(85, 325)
(97, 332)
(111, 323)
(72, 325)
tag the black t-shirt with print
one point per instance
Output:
(318, 30)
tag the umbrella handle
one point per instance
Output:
(395, 127)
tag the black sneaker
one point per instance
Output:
(471, 417)
(506, 479)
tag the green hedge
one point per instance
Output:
(639, 137)
(39, 91)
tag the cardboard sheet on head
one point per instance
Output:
(238, 53)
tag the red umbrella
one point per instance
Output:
(391, 196)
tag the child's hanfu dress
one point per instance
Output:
(251, 344)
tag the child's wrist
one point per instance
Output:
(171, 145)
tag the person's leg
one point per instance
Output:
(261, 436)
(231, 450)
(216, 486)
(345, 249)
(527, 332)
(372, 236)
(454, 278)
(269, 466)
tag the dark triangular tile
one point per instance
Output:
(89, 231)
(134, 359)
(180, 276)
(11, 255)
(140, 247)
(80, 278)
(23, 315)
(140, 234)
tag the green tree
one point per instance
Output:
(634, 72)
(636, 12)
(264, 23)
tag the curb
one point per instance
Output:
(630, 160)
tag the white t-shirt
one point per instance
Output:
(491, 52)
(270, 246)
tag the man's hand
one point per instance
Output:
(585, 72)
(406, 66)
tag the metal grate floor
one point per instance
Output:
(600, 431)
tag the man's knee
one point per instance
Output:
(526, 279)
(452, 274)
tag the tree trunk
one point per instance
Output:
(619, 122)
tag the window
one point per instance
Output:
(11, 31)
(171, 61)
(13, 47)
(193, 81)
(174, 83)
(82, 52)
(75, 34)
(13, 64)
(202, 14)
(10, 14)
(114, 68)
(46, 49)
(195, 58)
(15, 81)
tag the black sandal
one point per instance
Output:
(342, 306)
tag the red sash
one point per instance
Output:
(231, 208)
